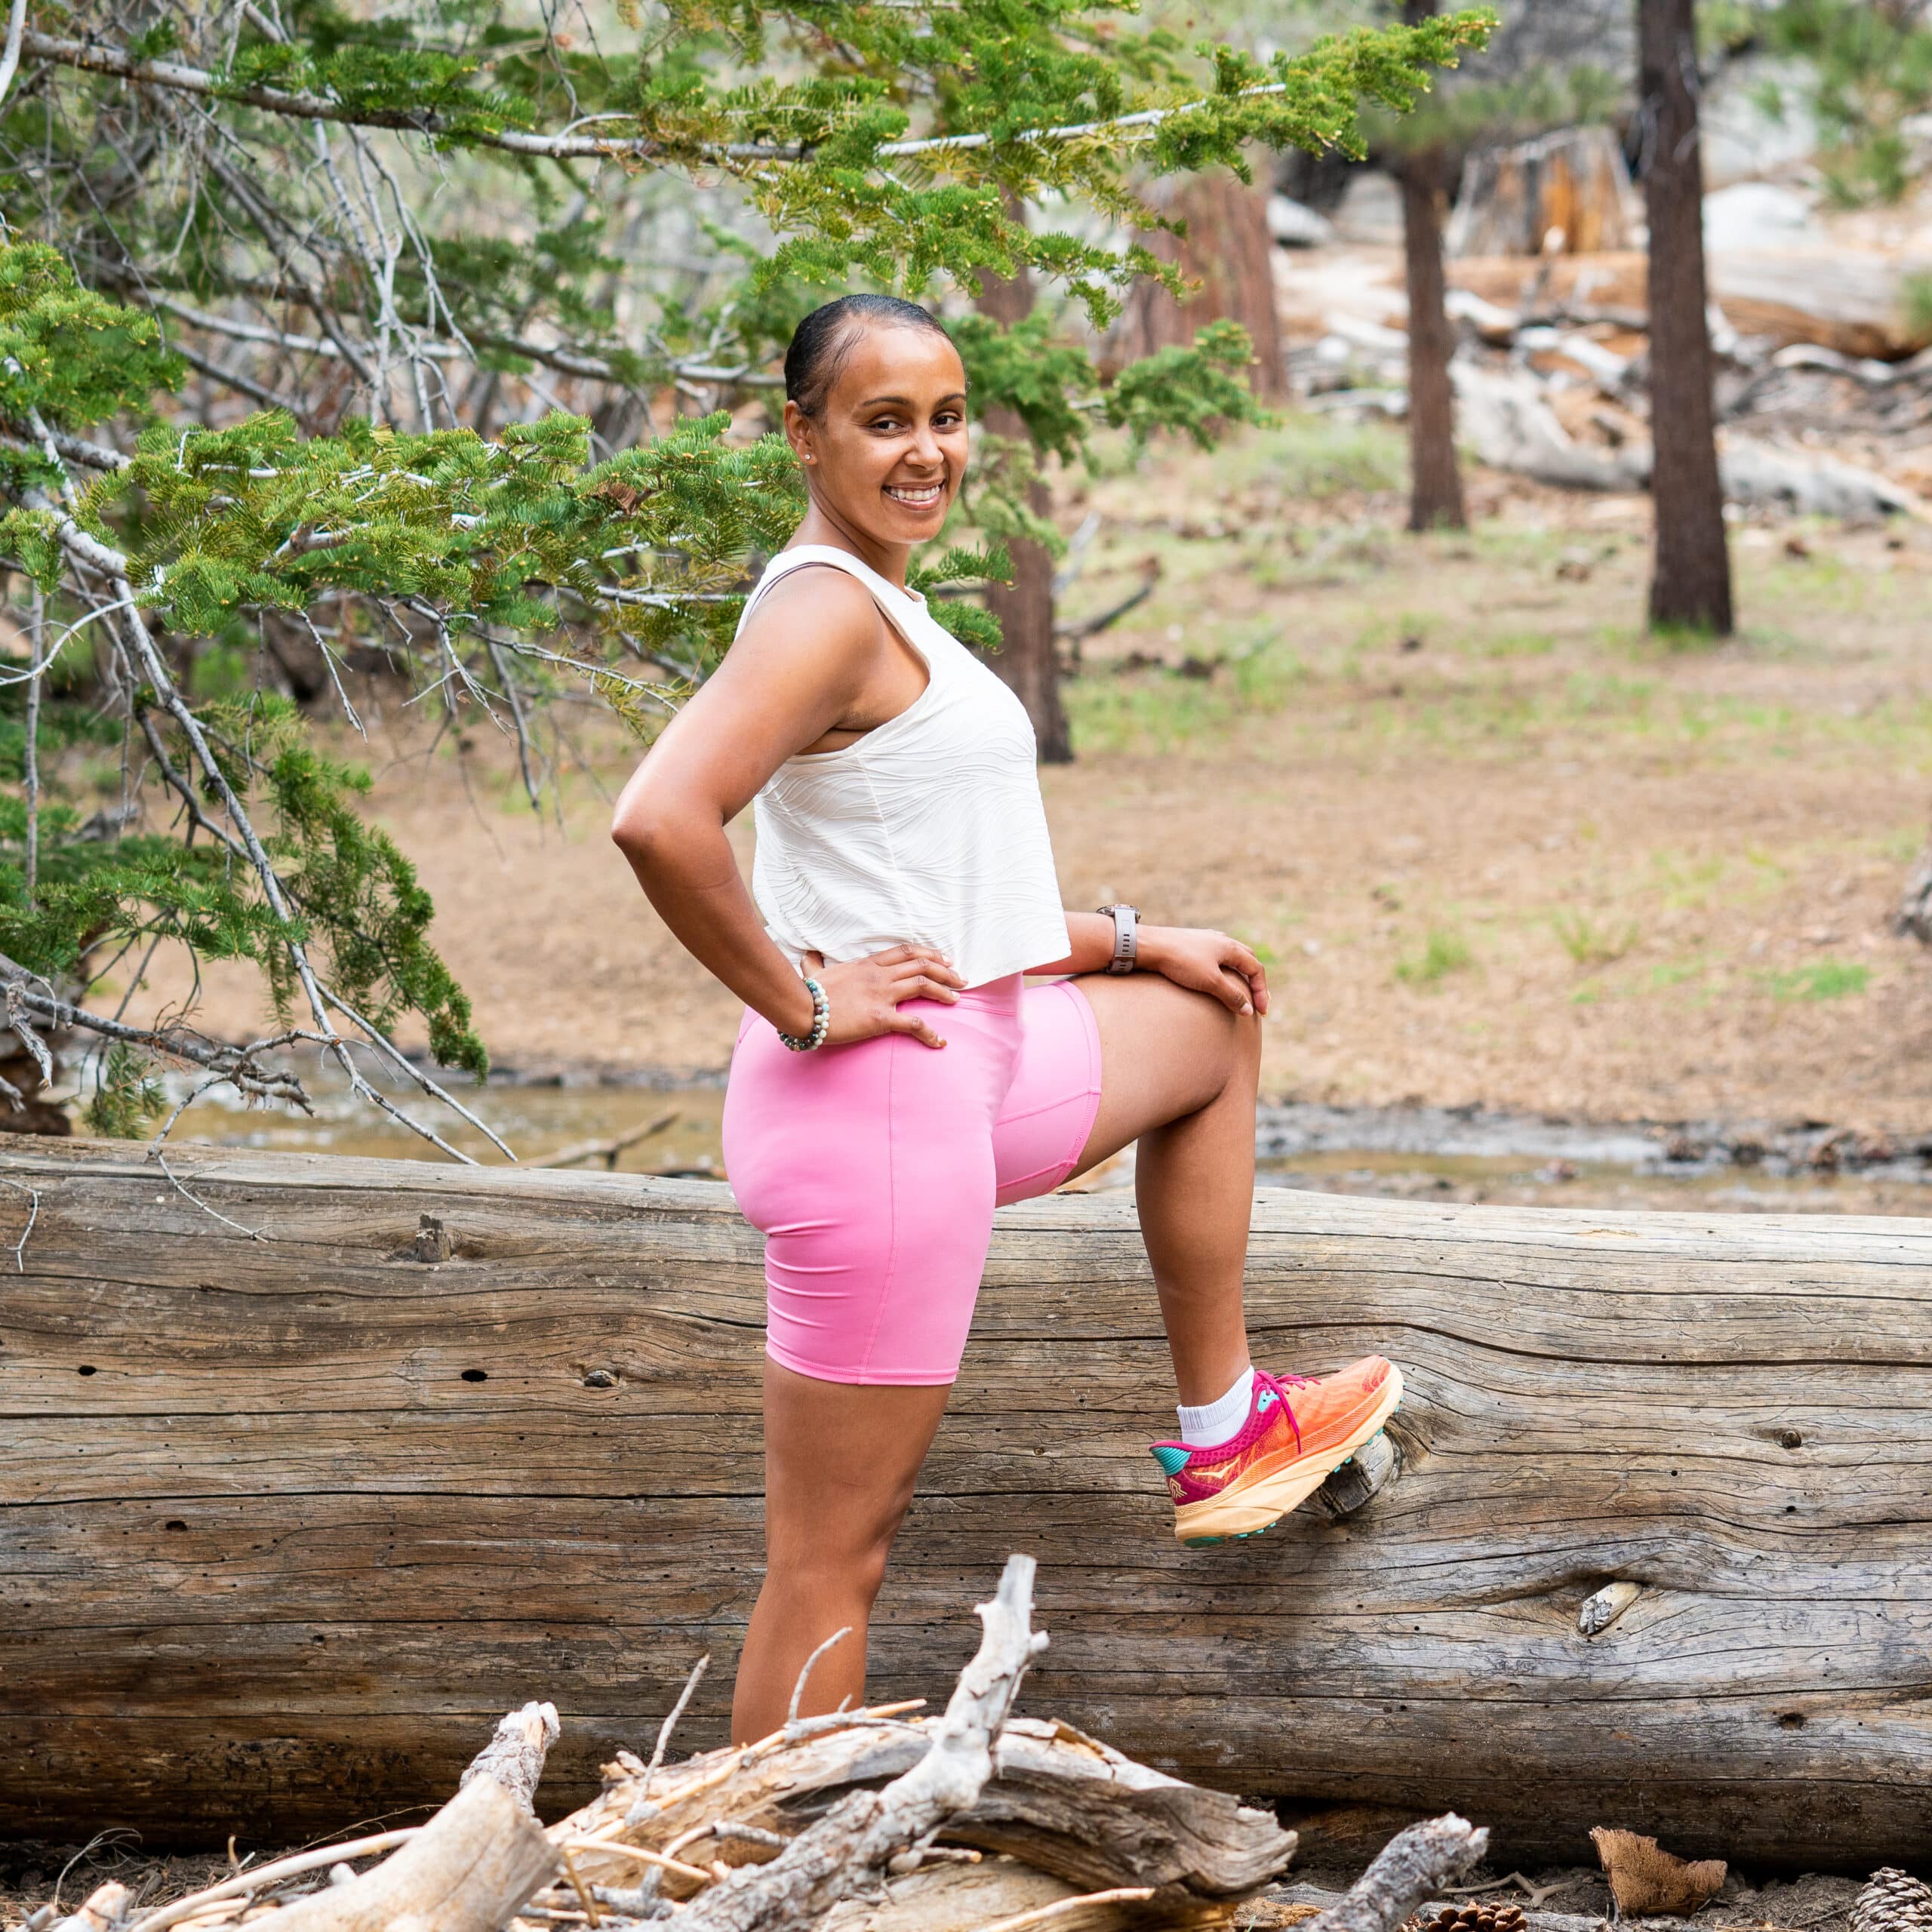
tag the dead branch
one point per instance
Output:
(851, 1846)
(467, 1870)
(514, 1756)
(1078, 633)
(103, 1908)
(1411, 1865)
(607, 1150)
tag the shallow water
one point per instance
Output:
(1408, 1153)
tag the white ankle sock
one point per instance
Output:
(1215, 1421)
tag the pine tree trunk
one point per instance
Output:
(1435, 486)
(1690, 583)
(1026, 659)
(1229, 251)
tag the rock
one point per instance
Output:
(1293, 226)
(1809, 483)
(1756, 214)
(1370, 211)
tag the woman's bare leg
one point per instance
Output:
(840, 1459)
(1179, 1073)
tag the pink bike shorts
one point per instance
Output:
(872, 1170)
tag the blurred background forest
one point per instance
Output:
(1532, 669)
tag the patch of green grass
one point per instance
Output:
(1680, 638)
(1264, 678)
(1825, 979)
(1688, 884)
(1513, 644)
(1915, 304)
(1589, 944)
(1607, 696)
(1443, 952)
(1668, 972)
(1311, 457)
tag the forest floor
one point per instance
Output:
(1337, 1841)
(1496, 844)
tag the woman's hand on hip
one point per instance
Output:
(1206, 962)
(866, 995)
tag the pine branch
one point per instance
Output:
(178, 76)
(91, 552)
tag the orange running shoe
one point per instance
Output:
(1298, 1432)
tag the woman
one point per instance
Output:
(894, 1077)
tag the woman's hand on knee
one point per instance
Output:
(866, 995)
(1207, 962)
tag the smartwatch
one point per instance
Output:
(1127, 938)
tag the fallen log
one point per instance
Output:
(285, 1522)
(1851, 300)
(1505, 418)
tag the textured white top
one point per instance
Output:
(929, 828)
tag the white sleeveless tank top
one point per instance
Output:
(929, 828)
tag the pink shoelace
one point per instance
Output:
(1281, 1384)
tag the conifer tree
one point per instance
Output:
(416, 335)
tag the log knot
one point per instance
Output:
(432, 1241)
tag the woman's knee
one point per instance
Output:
(1246, 1043)
(832, 1525)
(847, 1557)
(1237, 1038)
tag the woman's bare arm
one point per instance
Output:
(806, 663)
(1206, 962)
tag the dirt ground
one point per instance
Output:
(1496, 844)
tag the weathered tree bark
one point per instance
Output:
(1228, 249)
(1025, 660)
(1690, 575)
(285, 1524)
(1436, 485)
(514, 1755)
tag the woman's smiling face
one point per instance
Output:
(887, 449)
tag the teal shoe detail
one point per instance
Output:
(1171, 1456)
(1265, 1400)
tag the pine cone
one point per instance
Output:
(1892, 1901)
(1488, 1918)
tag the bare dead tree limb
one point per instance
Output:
(854, 1842)
(515, 1754)
(1408, 1869)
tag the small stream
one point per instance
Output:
(1425, 1153)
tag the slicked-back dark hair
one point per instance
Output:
(821, 344)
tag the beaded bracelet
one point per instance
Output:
(821, 1022)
